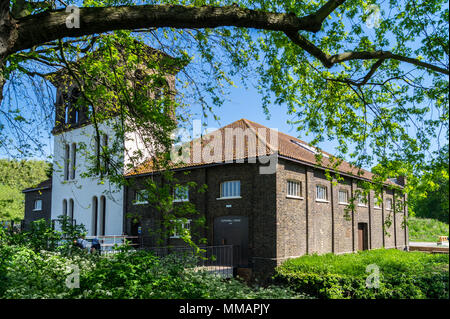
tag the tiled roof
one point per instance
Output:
(254, 142)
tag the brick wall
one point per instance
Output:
(30, 214)
(280, 227)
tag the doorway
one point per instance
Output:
(233, 230)
(363, 242)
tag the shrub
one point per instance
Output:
(402, 275)
(30, 271)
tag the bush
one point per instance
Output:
(30, 270)
(402, 275)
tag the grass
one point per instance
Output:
(426, 229)
(390, 261)
(402, 275)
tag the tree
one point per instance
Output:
(430, 195)
(15, 176)
(371, 75)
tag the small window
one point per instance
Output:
(321, 193)
(389, 204)
(362, 200)
(140, 197)
(294, 189)
(230, 189)
(377, 203)
(343, 196)
(181, 227)
(38, 204)
(181, 194)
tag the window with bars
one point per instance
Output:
(343, 196)
(230, 189)
(181, 194)
(294, 189)
(321, 193)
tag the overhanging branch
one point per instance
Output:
(330, 60)
(49, 26)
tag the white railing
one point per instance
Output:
(108, 242)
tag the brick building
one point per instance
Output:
(267, 193)
(294, 210)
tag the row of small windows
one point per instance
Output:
(294, 190)
(228, 189)
(232, 189)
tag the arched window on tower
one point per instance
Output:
(73, 160)
(102, 216)
(74, 106)
(71, 210)
(94, 216)
(64, 208)
(66, 161)
(105, 154)
(66, 114)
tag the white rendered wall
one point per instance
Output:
(83, 189)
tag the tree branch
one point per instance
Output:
(40, 28)
(330, 60)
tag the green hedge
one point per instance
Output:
(401, 275)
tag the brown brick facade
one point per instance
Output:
(280, 227)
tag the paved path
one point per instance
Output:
(427, 244)
(429, 247)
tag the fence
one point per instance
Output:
(16, 226)
(213, 259)
(108, 242)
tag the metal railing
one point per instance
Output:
(109, 242)
(213, 259)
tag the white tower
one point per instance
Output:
(89, 199)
